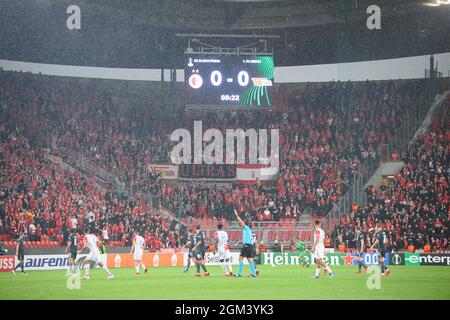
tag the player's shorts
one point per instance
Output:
(137, 256)
(302, 253)
(73, 254)
(200, 255)
(105, 241)
(381, 253)
(253, 251)
(191, 254)
(319, 253)
(248, 251)
(224, 254)
(94, 256)
(20, 256)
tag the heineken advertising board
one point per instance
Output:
(334, 259)
(342, 259)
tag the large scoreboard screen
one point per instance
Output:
(229, 80)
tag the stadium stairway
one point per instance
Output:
(343, 207)
(391, 168)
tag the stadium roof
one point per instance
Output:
(141, 33)
(237, 15)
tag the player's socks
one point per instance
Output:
(69, 270)
(241, 265)
(361, 264)
(252, 267)
(86, 269)
(230, 268)
(382, 267)
(188, 265)
(224, 267)
(197, 266)
(143, 267)
(204, 268)
(105, 267)
(317, 272)
(328, 269)
(137, 268)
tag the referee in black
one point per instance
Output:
(20, 253)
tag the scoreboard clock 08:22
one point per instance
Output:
(218, 80)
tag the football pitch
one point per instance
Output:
(273, 283)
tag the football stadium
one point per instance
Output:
(224, 150)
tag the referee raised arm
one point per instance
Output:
(247, 247)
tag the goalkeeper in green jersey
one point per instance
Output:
(302, 251)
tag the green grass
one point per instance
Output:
(286, 282)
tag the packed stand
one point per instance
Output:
(414, 208)
(44, 201)
(326, 133)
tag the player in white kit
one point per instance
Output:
(105, 235)
(223, 250)
(137, 249)
(93, 256)
(318, 250)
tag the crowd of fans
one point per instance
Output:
(327, 133)
(41, 199)
(414, 208)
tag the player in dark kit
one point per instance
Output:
(199, 251)
(72, 248)
(380, 243)
(190, 244)
(20, 253)
(359, 244)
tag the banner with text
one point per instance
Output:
(55, 261)
(7, 263)
(334, 259)
(427, 259)
(251, 173)
(207, 171)
(212, 259)
(167, 172)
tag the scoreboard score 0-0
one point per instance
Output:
(229, 80)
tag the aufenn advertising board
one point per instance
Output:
(54, 262)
